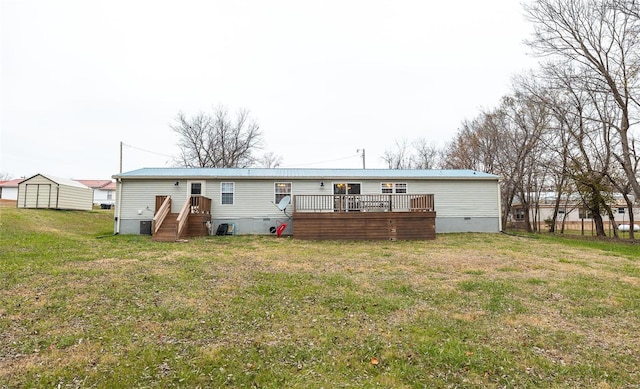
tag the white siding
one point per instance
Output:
(74, 198)
(452, 198)
(456, 200)
(252, 198)
(463, 198)
(9, 194)
(101, 196)
(140, 195)
(255, 198)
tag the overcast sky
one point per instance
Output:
(322, 78)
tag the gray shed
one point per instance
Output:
(44, 191)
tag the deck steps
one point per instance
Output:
(167, 231)
(196, 226)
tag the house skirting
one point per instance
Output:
(263, 225)
(467, 224)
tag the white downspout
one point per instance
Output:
(499, 208)
(118, 204)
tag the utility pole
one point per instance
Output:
(120, 157)
(363, 163)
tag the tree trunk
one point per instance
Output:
(631, 218)
(598, 222)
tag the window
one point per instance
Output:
(281, 190)
(621, 209)
(584, 213)
(109, 195)
(562, 211)
(394, 187)
(196, 188)
(226, 192)
(519, 213)
(347, 196)
(346, 188)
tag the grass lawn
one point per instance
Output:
(81, 308)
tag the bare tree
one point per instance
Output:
(601, 39)
(398, 158)
(419, 154)
(271, 160)
(4, 176)
(214, 140)
(522, 159)
(426, 154)
(469, 148)
(630, 7)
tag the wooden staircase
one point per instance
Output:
(167, 231)
(192, 221)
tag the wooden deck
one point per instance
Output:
(364, 217)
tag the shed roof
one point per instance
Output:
(264, 173)
(59, 181)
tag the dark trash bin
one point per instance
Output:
(222, 229)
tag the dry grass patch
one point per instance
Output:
(467, 310)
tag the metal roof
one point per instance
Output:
(11, 183)
(59, 181)
(263, 173)
(98, 184)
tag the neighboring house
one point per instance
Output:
(321, 201)
(9, 189)
(104, 191)
(571, 212)
(44, 191)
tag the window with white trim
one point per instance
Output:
(519, 213)
(226, 193)
(394, 187)
(281, 190)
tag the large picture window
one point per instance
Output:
(394, 187)
(226, 192)
(281, 190)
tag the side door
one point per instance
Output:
(195, 192)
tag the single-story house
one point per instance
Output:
(45, 191)
(9, 189)
(571, 212)
(103, 191)
(309, 203)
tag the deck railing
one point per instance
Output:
(200, 204)
(364, 203)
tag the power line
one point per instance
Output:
(147, 151)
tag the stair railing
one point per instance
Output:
(161, 214)
(183, 217)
